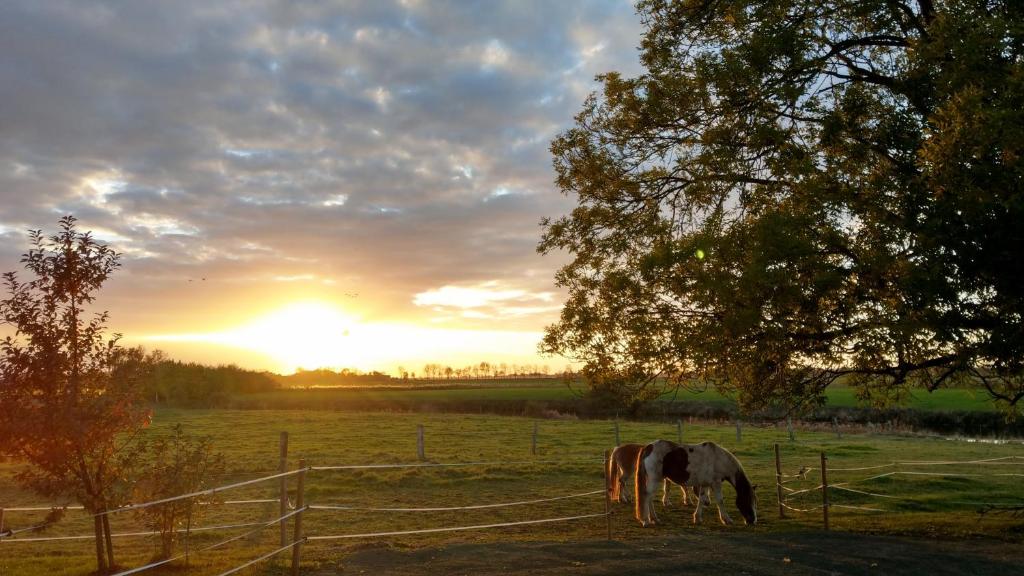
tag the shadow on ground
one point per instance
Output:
(795, 553)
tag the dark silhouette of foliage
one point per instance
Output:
(796, 192)
(193, 385)
(67, 403)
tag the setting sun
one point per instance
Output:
(301, 335)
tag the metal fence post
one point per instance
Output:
(300, 501)
(778, 481)
(824, 489)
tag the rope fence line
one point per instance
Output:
(299, 539)
(262, 558)
(450, 508)
(451, 464)
(454, 528)
(262, 526)
(785, 492)
(208, 492)
(62, 507)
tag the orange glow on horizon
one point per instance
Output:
(317, 334)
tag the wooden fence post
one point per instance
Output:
(607, 494)
(420, 451)
(835, 427)
(824, 489)
(739, 431)
(616, 433)
(789, 427)
(283, 467)
(778, 481)
(300, 501)
(2, 520)
(533, 442)
(679, 430)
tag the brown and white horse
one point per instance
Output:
(704, 466)
(621, 465)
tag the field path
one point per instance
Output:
(734, 552)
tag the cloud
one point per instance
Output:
(485, 301)
(393, 148)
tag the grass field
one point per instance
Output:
(940, 506)
(555, 390)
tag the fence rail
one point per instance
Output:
(295, 515)
(787, 494)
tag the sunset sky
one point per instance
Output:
(315, 184)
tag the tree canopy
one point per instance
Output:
(68, 394)
(796, 192)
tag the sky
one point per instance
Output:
(305, 184)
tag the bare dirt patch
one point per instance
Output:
(739, 552)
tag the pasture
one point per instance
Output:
(922, 499)
(542, 390)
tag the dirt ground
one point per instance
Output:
(737, 552)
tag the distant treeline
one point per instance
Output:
(196, 385)
(188, 384)
(324, 377)
(432, 373)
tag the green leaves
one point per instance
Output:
(851, 174)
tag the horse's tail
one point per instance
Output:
(641, 483)
(612, 473)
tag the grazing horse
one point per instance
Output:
(622, 464)
(704, 466)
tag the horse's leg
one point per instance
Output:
(652, 485)
(686, 501)
(723, 515)
(664, 493)
(623, 493)
(698, 514)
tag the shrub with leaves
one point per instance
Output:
(178, 464)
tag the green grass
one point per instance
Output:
(540, 391)
(929, 505)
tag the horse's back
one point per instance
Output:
(625, 456)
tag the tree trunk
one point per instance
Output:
(101, 559)
(110, 542)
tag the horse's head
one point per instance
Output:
(748, 506)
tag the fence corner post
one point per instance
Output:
(300, 502)
(607, 493)
(824, 489)
(778, 482)
(282, 468)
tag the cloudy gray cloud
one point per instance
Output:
(389, 148)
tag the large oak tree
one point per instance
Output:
(799, 191)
